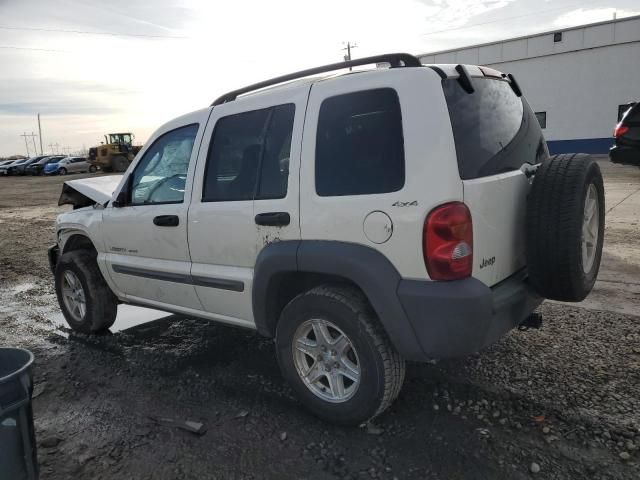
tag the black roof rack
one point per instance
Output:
(394, 59)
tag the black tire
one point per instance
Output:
(555, 212)
(62, 171)
(381, 367)
(119, 164)
(92, 169)
(101, 303)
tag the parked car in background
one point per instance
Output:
(22, 169)
(37, 168)
(10, 168)
(69, 165)
(627, 137)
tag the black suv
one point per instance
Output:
(627, 137)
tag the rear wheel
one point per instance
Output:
(565, 227)
(92, 169)
(86, 301)
(119, 164)
(336, 355)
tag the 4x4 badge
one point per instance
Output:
(405, 204)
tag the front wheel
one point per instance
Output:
(86, 301)
(62, 171)
(337, 357)
(92, 169)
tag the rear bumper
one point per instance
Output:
(624, 154)
(453, 319)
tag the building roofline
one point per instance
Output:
(523, 37)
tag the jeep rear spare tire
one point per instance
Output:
(565, 227)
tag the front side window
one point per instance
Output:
(359, 144)
(161, 175)
(249, 156)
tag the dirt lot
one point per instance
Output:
(565, 398)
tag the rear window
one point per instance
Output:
(631, 114)
(495, 131)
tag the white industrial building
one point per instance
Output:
(576, 80)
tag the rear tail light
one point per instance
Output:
(620, 130)
(447, 242)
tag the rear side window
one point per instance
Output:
(249, 156)
(359, 144)
(494, 130)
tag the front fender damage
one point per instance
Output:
(89, 191)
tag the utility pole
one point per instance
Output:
(348, 48)
(33, 140)
(40, 134)
(25, 142)
(32, 137)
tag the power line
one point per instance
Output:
(510, 18)
(11, 47)
(84, 32)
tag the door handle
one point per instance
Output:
(273, 219)
(166, 220)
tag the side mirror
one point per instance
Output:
(123, 196)
(121, 199)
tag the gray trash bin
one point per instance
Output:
(18, 456)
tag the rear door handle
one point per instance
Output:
(166, 220)
(273, 219)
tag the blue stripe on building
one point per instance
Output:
(583, 145)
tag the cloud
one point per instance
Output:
(582, 16)
(27, 96)
(101, 83)
(54, 108)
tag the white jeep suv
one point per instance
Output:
(361, 219)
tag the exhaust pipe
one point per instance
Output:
(532, 321)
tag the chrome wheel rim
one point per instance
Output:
(73, 295)
(590, 228)
(326, 360)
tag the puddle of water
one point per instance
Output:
(23, 287)
(128, 316)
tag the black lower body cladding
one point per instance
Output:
(563, 250)
(458, 318)
(423, 319)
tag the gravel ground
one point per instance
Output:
(559, 402)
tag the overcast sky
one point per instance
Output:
(157, 59)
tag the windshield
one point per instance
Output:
(494, 130)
